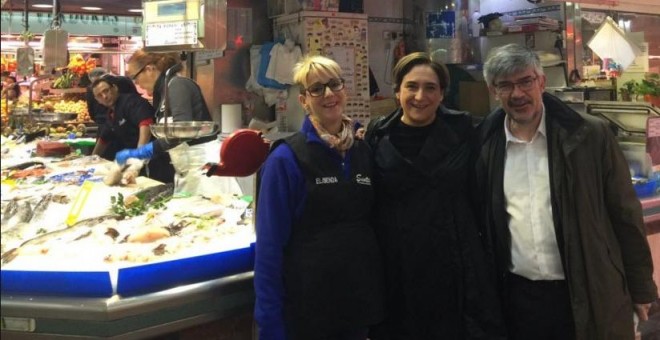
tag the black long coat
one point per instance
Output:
(437, 280)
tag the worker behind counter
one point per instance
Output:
(128, 117)
(99, 112)
(186, 103)
(10, 88)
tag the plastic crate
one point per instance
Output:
(646, 189)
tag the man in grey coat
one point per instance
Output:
(561, 213)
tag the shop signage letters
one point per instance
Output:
(77, 24)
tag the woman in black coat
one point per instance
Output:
(437, 279)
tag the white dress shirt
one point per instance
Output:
(534, 249)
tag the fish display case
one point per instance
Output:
(633, 123)
(637, 129)
(28, 316)
(97, 276)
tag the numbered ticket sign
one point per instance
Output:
(79, 203)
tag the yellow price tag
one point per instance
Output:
(79, 203)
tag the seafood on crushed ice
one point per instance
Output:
(185, 227)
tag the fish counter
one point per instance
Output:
(84, 259)
(139, 317)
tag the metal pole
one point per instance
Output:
(26, 25)
(56, 14)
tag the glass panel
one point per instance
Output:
(631, 22)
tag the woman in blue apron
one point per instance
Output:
(318, 271)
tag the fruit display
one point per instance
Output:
(79, 107)
(18, 126)
(8, 64)
(5, 112)
(53, 131)
(79, 66)
(65, 131)
(65, 81)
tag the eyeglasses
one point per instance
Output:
(318, 89)
(134, 77)
(507, 87)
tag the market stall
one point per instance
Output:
(82, 258)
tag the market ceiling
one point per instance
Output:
(104, 7)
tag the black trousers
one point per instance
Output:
(539, 310)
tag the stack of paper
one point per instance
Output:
(532, 24)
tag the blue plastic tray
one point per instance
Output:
(646, 189)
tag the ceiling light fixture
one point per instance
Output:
(87, 8)
(42, 6)
(135, 10)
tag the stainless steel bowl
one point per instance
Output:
(184, 130)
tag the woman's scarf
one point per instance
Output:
(341, 141)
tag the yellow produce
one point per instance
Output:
(5, 112)
(79, 107)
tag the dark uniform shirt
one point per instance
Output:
(123, 122)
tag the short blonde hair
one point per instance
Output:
(315, 65)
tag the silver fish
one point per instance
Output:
(155, 193)
(79, 228)
(40, 208)
(10, 210)
(92, 221)
(12, 237)
(23, 166)
(23, 214)
(77, 231)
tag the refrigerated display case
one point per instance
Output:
(70, 289)
(637, 128)
(28, 316)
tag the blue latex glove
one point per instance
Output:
(143, 152)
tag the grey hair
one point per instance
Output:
(508, 60)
